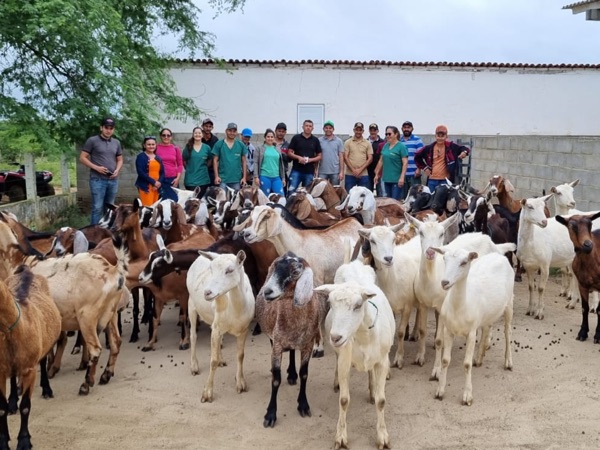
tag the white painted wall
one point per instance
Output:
(470, 100)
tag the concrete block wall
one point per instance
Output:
(531, 163)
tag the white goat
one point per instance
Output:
(361, 200)
(396, 268)
(221, 294)
(542, 243)
(361, 326)
(478, 295)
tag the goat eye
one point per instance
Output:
(373, 243)
(357, 307)
(464, 263)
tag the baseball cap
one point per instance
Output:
(408, 123)
(207, 120)
(281, 126)
(231, 126)
(247, 132)
(108, 122)
(373, 126)
(328, 122)
(359, 125)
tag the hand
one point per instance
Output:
(462, 155)
(427, 171)
(418, 172)
(341, 176)
(243, 181)
(175, 182)
(157, 185)
(376, 179)
(356, 173)
(400, 182)
(282, 182)
(114, 175)
(257, 181)
(217, 180)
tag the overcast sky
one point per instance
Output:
(512, 31)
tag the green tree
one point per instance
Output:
(66, 63)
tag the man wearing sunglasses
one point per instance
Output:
(438, 160)
(104, 156)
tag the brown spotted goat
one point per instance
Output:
(29, 326)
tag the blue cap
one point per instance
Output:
(247, 132)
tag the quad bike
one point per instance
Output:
(12, 183)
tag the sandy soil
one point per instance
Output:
(550, 400)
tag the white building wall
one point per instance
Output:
(470, 100)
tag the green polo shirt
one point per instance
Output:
(196, 165)
(230, 160)
(392, 161)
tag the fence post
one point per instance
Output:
(30, 184)
(64, 173)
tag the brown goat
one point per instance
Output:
(586, 264)
(322, 191)
(301, 207)
(29, 326)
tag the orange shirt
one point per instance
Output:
(439, 171)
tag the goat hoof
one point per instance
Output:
(318, 353)
(12, 407)
(340, 443)
(84, 389)
(336, 388)
(270, 419)
(581, 337)
(596, 340)
(76, 350)
(106, 376)
(206, 398)
(133, 338)
(304, 410)
(184, 346)
(147, 348)
(439, 396)
(47, 393)
(53, 371)
(24, 442)
(292, 381)
(539, 316)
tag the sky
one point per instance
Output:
(506, 31)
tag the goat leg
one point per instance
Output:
(61, 344)
(585, 310)
(24, 438)
(13, 399)
(78, 342)
(4, 434)
(303, 407)
(114, 339)
(44, 381)
(291, 371)
(271, 415)
(135, 313)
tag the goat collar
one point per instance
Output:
(10, 328)
(374, 320)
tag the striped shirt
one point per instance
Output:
(413, 143)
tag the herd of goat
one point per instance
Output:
(321, 265)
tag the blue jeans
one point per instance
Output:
(235, 186)
(432, 184)
(271, 184)
(103, 191)
(350, 181)
(392, 190)
(298, 177)
(334, 178)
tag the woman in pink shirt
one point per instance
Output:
(170, 155)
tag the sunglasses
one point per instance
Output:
(147, 138)
(165, 135)
(440, 134)
(388, 134)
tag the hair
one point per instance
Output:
(308, 121)
(267, 131)
(394, 129)
(190, 142)
(166, 129)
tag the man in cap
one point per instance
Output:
(413, 143)
(305, 152)
(438, 160)
(104, 156)
(377, 143)
(229, 160)
(246, 136)
(358, 154)
(331, 166)
(209, 139)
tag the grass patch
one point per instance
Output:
(70, 217)
(53, 165)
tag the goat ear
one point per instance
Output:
(366, 294)
(197, 192)
(399, 226)
(561, 219)
(304, 287)
(49, 252)
(320, 204)
(364, 233)
(236, 201)
(553, 190)
(473, 255)
(136, 204)
(80, 244)
(319, 188)
(325, 288)
(509, 187)
(413, 220)
(440, 250)
(546, 197)
(369, 202)
(450, 221)
(595, 216)
(241, 257)
(574, 183)
(523, 201)
(168, 256)
(160, 242)
(343, 205)
(207, 255)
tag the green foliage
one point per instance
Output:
(70, 217)
(66, 63)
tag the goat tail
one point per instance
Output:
(122, 254)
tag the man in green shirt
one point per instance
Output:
(229, 160)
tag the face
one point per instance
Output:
(407, 130)
(389, 134)
(269, 138)
(328, 130)
(358, 132)
(150, 145)
(246, 139)
(373, 132)
(307, 127)
(107, 131)
(231, 133)
(280, 133)
(440, 136)
(166, 136)
(197, 134)
(207, 128)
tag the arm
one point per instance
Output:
(216, 167)
(244, 169)
(378, 168)
(403, 174)
(141, 167)
(342, 171)
(179, 162)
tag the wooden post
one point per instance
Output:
(31, 186)
(64, 173)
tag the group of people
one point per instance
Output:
(391, 165)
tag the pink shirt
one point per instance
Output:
(171, 158)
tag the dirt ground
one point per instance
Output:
(550, 400)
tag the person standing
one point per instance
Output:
(358, 154)
(172, 162)
(150, 171)
(393, 163)
(196, 159)
(282, 145)
(377, 143)
(413, 144)
(438, 160)
(104, 157)
(229, 160)
(269, 173)
(331, 166)
(305, 152)
(209, 139)
(246, 136)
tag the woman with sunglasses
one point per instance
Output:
(438, 160)
(172, 161)
(197, 160)
(393, 163)
(150, 171)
